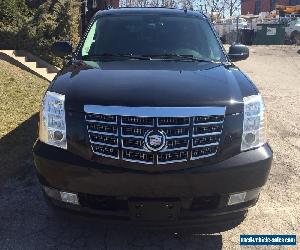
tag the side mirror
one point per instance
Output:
(238, 52)
(62, 48)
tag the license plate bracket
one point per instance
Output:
(154, 210)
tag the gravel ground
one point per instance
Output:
(27, 223)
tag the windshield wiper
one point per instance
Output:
(180, 58)
(176, 57)
(111, 55)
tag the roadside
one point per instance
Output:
(20, 95)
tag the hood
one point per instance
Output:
(152, 83)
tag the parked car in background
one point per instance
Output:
(152, 124)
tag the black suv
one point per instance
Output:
(150, 122)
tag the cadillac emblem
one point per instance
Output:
(155, 140)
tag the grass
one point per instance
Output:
(20, 94)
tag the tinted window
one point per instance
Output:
(152, 35)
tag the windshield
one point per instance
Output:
(152, 35)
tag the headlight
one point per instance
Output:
(52, 128)
(254, 123)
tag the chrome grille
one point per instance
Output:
(102, 128)
(119, 132)
(181, 143)
(105, 150)
(174, 156)
(177, 132)
(133, 120)
(137, 156)
(173, 121)
(133, 131)
(103, 139)
(207, 129)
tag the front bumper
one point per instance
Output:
(212, 184)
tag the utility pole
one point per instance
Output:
(237, 29)
(83, 15)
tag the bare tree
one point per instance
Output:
(216, 6)
(223, 7)
(148, 3)
(233, 6)
(187, 4)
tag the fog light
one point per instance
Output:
(69, 197)
(243, 196)
(61, 196)
(236, 198)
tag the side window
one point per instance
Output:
(90, 40)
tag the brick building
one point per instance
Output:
(257, 6)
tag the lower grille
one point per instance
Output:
(154, 135)
(205, 203)
(111, 203)
(100, 202)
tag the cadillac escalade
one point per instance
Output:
(151, 123)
